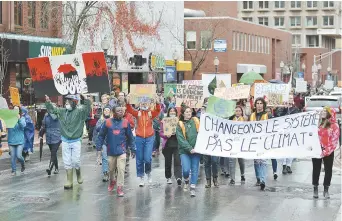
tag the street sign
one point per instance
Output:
(171, 73)
(220, 45)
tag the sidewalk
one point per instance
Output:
(338, 161)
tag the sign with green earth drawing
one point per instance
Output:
(220, 107)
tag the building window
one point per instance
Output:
(311, 21)
(31, 14)
(206, 40)
(312, 41)
(296, 39)
(241, 41)
(295, 21)
(44, 6)
(259, 44)
(279, 21)
(237, 41)
(249, 43)
(247, 4)
(191, 40)
(328, 20)
(311, 4)
(296, 4)
(328, 4)
(279, 4)
(234, 40)
(246, 42)
(250, 19)
(268, 46)
(263, 4)
(263, 21)
(18, 10)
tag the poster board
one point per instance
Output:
(9, 116)
(15, 98)
(170, 125)
(192, 82)
(142, 93)
(191, 95)
(220, 107)
(233, 93)
(264, 90)
(69, 74)
(274, 99)
(170, 90)
(301, 86)
(213, 81)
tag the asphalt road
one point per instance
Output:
(33, 196)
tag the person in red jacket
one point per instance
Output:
(144, 137)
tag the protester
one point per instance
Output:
(16, 140)
(156, 127)
(102, 150)
(170, 149)
(144, 137)
(328, 133)
(269, 111)
(51, 126)
(238, 116)
(260, 165)
(117, 131)
(71, 119)
(92, 120)
(186, 133)
(3, 131)
(29, 135)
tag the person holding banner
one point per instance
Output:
(186, 132)
(71, 119)
(269, 111)
(144, 137)
(260, 165)
(329, 134)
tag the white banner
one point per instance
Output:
(301, 86)
(292, 136)
(262, 90)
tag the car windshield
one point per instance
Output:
(319, 102)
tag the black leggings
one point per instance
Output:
(316, 169)
(53, 159)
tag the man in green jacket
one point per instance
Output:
(71, 119)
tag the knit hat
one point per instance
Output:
(328, 109)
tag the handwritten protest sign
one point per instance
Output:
(274, 99)
(294, 136)
(233, 93)
(142, 93)
(14, 93)
(191, 95)
(220, 107)
(9, 116)
(263, 90)
(170, 125)
(301, 86)
(170, 90)
(213, 81)
(192, 82)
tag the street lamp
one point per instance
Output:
(216, 63)
(329, 73)
(175, 58)
(303, 67)
(105, 45)
(319, 67)
(281, 65)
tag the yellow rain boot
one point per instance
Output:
(79, 177)
(69, 182)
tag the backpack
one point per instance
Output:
(181, 124)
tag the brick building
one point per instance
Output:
(28, 29)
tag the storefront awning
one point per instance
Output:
(244, 68)
(32, 38)
(181, 65)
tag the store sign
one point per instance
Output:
(171, 74)
(156, 62)
(220, 45)
(39, 49)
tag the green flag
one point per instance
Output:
(10, 117)
(220, 107)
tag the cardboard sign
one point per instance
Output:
(273, 99)
(142, 93)
(301, 86)
(9, 116)
(233, 93)
(170, 125)
(270, 139)
(190, 95)
(263, 90)
(170, 90)
(220, 107)
(15, 98)
(69, 74)
(3, 103)
(213, 81)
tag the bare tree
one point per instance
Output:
(4, 53)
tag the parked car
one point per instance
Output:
(318, 102)
(336, 93)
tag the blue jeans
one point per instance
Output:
(274, 165)
(190, 162)
(260, 170)
(16, 153)
(156, 143)
(211, 164)
(104, 159)
(144, 155)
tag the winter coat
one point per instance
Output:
(51, 127)
(144, 124)
(329, 137)
(283, 111)
(118, 134)
(97, 129)
(16, 134)
(71, 122)
(28, 131)
(185, 145)
(129, 117)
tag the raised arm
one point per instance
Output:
(156, 111)
(130, 110)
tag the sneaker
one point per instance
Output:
(192, 191)
(288, 169)
(275, 176)
(169, 181)
(186, 185)
(119, 191)
(105, 177)
(56, 171)
(258, 182)
(284, 170)
(179, 181)
(22, 168)
(223, 173)
(262, 186)
(142, 182)
(153, 153)
(149, 178)
(48, 172)
(111, 186)
(243, 179)
(227, 175)
(13, 173)
(232, 182)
